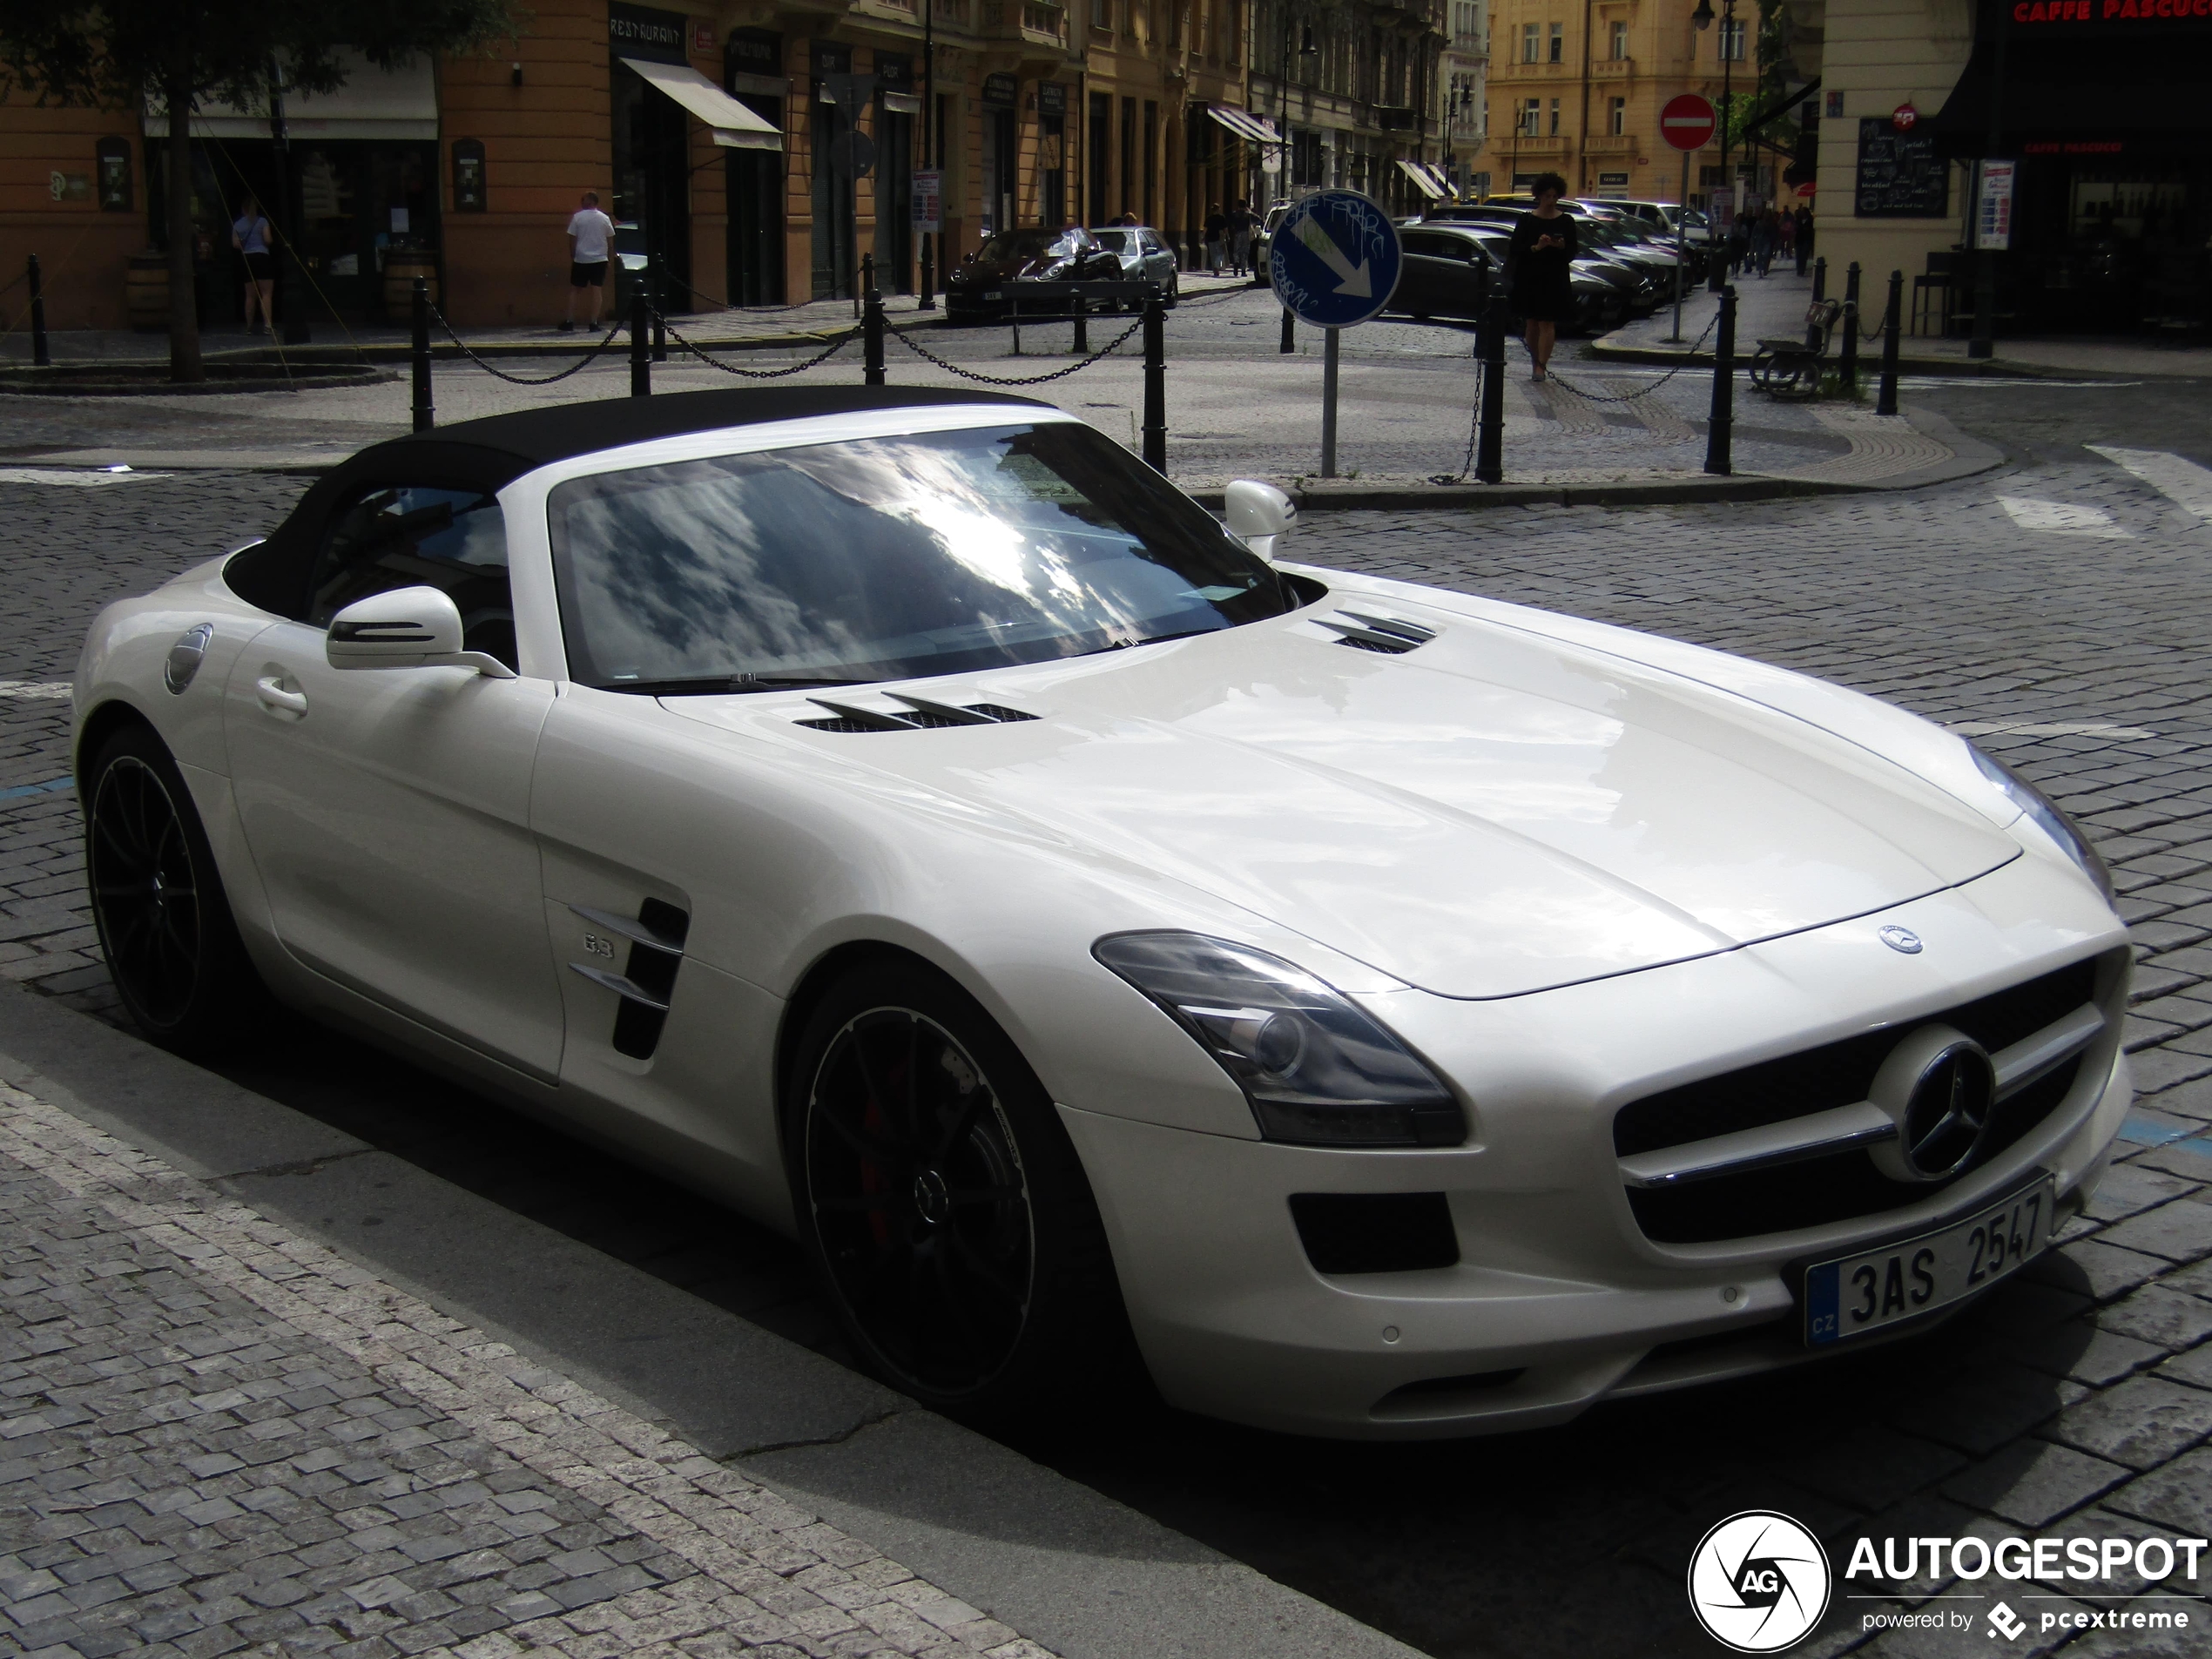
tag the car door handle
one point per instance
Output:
(270, 689)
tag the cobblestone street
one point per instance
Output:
(289, 1425)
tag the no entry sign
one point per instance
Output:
(1688, 122)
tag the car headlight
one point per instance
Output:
(1316, 1067)
(2053, 822)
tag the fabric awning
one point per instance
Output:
(730, 124)
(1436, 174)
(1422, 181)
(372, 104)
(1253, 129)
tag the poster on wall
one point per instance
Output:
(1994, 204)
(927, 201)
(1900, 175)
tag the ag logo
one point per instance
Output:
(1759, 1582)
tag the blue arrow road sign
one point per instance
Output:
(1334, 260)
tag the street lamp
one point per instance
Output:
(1701, 19)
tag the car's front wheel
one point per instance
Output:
(943, 1204)
(164, 921)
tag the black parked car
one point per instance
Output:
(983, 289)
(1449, 269)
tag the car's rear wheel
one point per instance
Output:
(164, 921)
(943, 1204)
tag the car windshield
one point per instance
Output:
(1028, 245)
(1115, 242)
(889, 558)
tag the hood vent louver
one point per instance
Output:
(1364, 631)
(919, 715)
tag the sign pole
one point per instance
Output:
(1682, 222)
(1329, 403)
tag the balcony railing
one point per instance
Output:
(1615, 143)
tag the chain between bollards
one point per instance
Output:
(871, 324)
(1720, 430)
(41, 357)
(1847, 359)
(419, 356)
(1156, 385)
(1885, 403)
(1490, 448)
(641, 362)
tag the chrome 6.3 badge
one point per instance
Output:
(1758, 1582)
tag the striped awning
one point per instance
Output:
(1253, 129)
(728, 121)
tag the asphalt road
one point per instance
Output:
(2081, 1391)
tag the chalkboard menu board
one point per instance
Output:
(1900, 176)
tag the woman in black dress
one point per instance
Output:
(1544, 247)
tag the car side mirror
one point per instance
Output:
(406, 628)
(1258, 515)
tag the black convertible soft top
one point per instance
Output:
(487, 455)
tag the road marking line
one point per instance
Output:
(52, 786)
(2063, 518)
(2044, 729)
(2184, 482)
(57, 691)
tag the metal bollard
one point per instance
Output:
(871, 326)
(1082, 328)
(660, 322)
(425, 417)
(929, 301)
(1720, 430)
(1819, 279)
(1290, 333)
(1886, 402)
(1156, 384)
(1847, 358)
(641, 362)
(1490, 446)
(40, 356)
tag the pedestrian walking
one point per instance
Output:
(250, 235)
(1804, 239)
(1762, 241)
(591, 237)
(1739, 245)
(1786, 236)
(1240, 237)
(1217, 226)
(1540, 270)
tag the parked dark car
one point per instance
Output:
(1642, 282)
(982, 289)
(1448, 268)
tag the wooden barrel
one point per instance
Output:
(402, 267)
(146, 292)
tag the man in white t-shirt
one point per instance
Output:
(591, 239)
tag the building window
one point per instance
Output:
(1529, 34)
(1554, 128)
(1620, 121)
(1620, 40)
(1732, 39)
(1558, 43)
(1465, 21)
(1531, 113)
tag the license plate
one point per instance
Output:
(1856, 1294)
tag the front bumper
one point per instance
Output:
(1559, 1299)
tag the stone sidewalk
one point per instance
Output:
(217, 1436)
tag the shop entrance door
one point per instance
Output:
(998, 171)
(755, 182)
(652, 189)
(893, 200)
(833, 208)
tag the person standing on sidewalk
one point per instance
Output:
(1804, 239)
(591, 236)
(250, 236)
(1215, 226)
(1540, 270)
(1240, 239)
(1786, 235)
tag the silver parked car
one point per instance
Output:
(1145, 254)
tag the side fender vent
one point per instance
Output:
(1366, 631)
(647, 983)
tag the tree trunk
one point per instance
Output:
(184, 362)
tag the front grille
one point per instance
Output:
(1818, 1190)
(1838, 1073)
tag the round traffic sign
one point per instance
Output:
(1688, 121)
(1334, 260)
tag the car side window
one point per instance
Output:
(1151, 243)
(1417, 242)
(404, 535)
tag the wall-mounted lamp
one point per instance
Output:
(1702, 17)
(515, 76)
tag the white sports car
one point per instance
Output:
(909, 818)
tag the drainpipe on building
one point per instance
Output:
(295, 278)
(1984, 344)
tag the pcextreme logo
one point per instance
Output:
(1759, 1581)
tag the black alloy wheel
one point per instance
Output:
(164, 921)
(943, 1202)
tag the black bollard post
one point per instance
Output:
(1819, 279)
(1885, 403)
(641, 361)
(1156, 384)
(40, 356)
(660, 322)
(1082, 328)
(425, 417)
(1847, 359)
(1490, 446)
(871, 325)
(929, 301)
(1720, 431)
(1289, 346)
